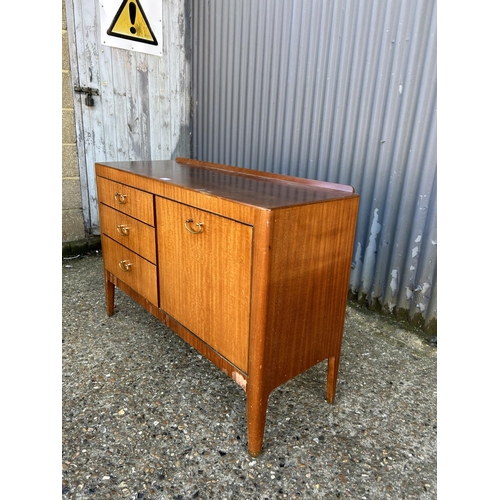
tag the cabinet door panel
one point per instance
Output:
(205, 277)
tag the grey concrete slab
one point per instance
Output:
(145, 416)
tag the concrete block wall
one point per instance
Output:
(73, 229)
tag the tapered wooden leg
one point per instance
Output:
(110, 297)
(256, 419)
(331, 379)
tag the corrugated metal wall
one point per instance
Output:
(343, 91)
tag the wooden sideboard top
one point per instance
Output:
(251, 187)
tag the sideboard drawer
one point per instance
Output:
(130, 268)
(129, 232)
(126, 199)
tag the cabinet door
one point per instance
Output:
(204, 268)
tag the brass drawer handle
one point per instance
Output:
(199, 225)
(122, 229)
(125, 265)
(121, 198)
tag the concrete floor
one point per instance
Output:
(145, 416)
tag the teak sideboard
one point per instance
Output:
(250, 268)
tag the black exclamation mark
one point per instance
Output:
(132, 9)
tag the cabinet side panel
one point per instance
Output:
(311, 259)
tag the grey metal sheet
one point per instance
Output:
(343, 91)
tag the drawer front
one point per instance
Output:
(128, 231)
(126, 199)
(136, 272)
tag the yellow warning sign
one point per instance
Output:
(131, 23)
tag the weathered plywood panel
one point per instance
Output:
(143, 108)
